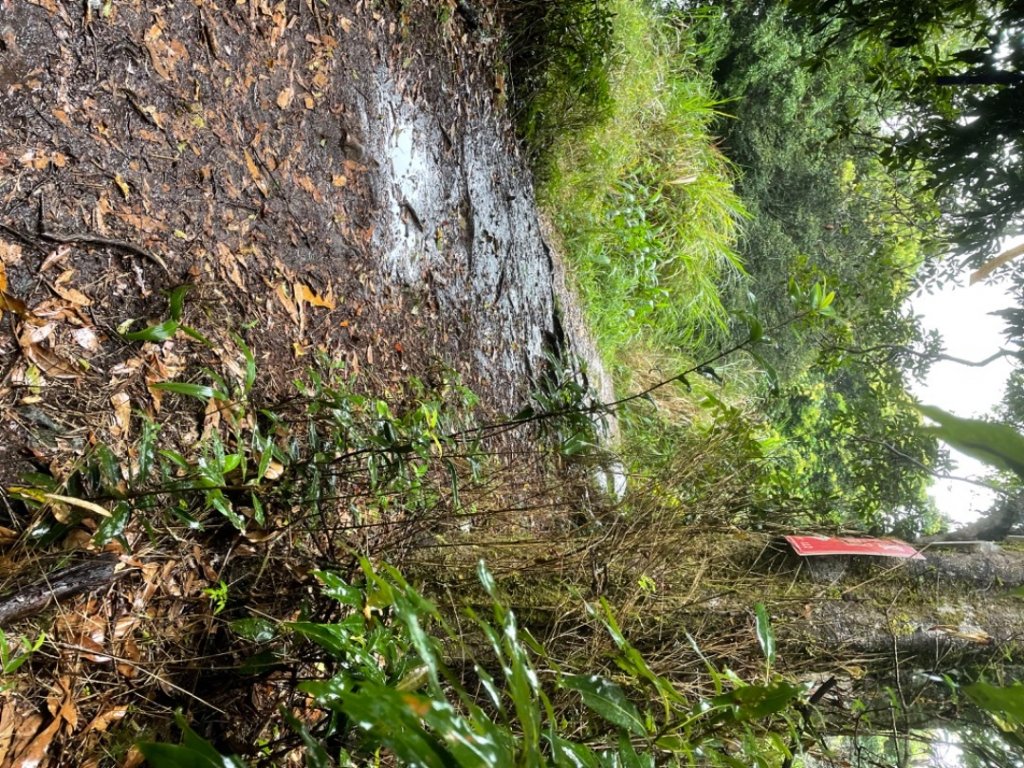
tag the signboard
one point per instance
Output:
(807, 546)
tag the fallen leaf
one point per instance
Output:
(122, 412)
(284, 98)
(103, 720)
(18, 307)
(287, 303)
(7, 724)
(10, 253)
(339, 180)
(87, 339)
(35, 752)
(123, 186)
(304, 293)
(51, 364)
(61, 704)
(254, 171)
(73, 296)
(346, 24)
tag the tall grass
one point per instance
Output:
(643, 199)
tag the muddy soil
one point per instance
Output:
(331, 180)
(341, 180)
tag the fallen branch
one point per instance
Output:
(55, 587)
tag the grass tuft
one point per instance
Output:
(643, 198)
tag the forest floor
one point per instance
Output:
(332, 182)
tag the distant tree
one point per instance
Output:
(956, 67)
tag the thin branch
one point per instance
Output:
(938, 475)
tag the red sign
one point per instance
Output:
(807, 546)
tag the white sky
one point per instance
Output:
(961, 314)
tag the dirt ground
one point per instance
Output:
(328, 179)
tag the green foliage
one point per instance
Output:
(765, 633)
(13, 655)
(955, 69)
(252, 460)
(192, 752)
(559, 60)
(642, 198)
(165, 330)
(392, 689)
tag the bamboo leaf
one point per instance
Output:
(80, 503)
(765, 634)
(996, 444)
(608, 700)
(198, 391)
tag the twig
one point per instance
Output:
(105, 242)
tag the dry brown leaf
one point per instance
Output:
(339, 180)
(345, 24)
(10, 253)
(24, 727)
(87, 339)
(211, 418)
(284, 98)
(133, 759)
(254, 171)
(287, 303)
(7, 726)
(103, 720)
(156, 48)
(35, 753)
(61, 704)
(51, 364)
(122, 413)
(73, 296)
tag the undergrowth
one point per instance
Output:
(640, 195)
(384, 685)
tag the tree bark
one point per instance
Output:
(63, 584)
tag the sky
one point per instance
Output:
(960, 312)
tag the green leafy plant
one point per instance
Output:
(14, 654)
(392, 689)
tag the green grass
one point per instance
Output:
(643, 199)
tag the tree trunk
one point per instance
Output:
(953, 608)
